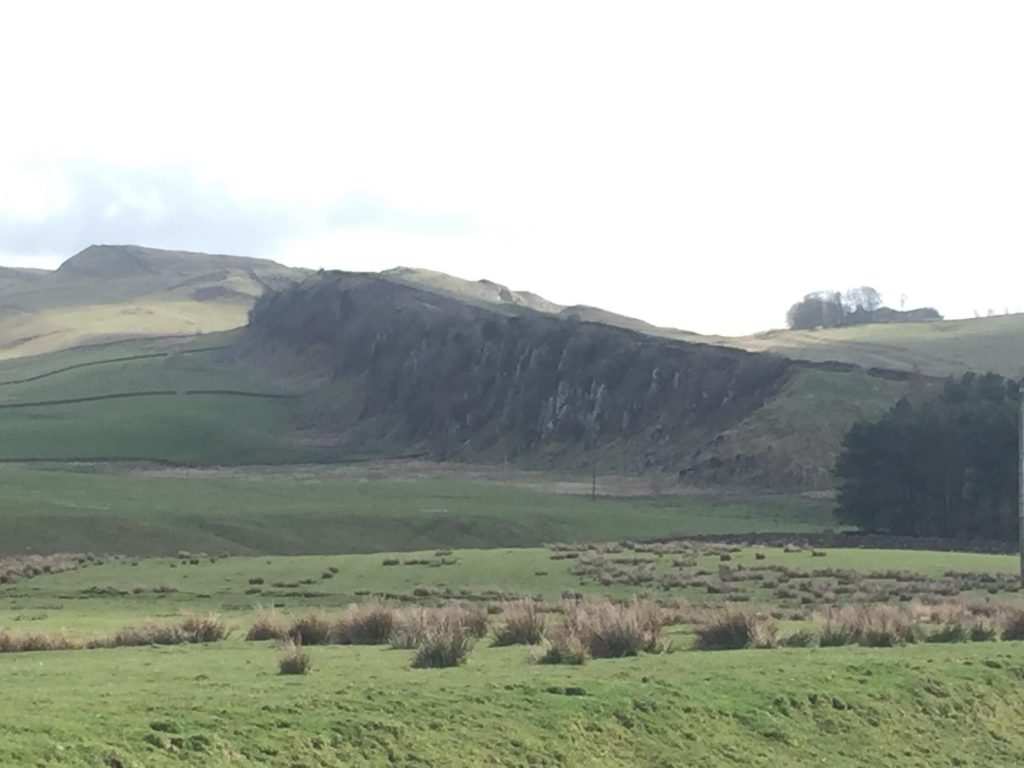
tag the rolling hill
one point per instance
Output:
(938, 348)
(107, 292)
(341, 366)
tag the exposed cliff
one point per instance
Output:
(403, 368)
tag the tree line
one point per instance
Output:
(857, 306)
(941, 466)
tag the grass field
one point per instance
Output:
(246, 526)
(163, 400)
(298, 510)
(224, 704)
(100, 597)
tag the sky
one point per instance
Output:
(700, 165)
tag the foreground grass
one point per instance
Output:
(226, 705)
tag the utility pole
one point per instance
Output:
(1020, 489)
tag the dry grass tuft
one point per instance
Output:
(446, 643)
(1013, 625)
(614, 630)
(733, 629)
(204, 628)
(409, 628)
(268, 625)
(293, 659)
(523, 624)
(364, 624)
(311, 629)
(873, 626)
(37, 641)
(562, 646)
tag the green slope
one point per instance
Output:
(310, 510)
(126, 291)
(937, 349)
(164, 400)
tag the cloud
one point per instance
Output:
(698, 164)
(47, 210)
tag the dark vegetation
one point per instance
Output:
(858, 306)
(944, 466)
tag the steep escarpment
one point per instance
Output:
(399, 368)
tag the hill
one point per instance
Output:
(346, 366)
(393, 367)
(937, 348)
(339, 366)
(109, 292)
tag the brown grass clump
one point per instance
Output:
(733, 629)
(293, 659)
(148, 634)
(563, 646)
(192, 629)
(1013, 625)
(474, 619)
(409, 628)
(446, 643)
(37, 641)
(204, 628)
(884, 626)
(800, 639)
(364, 624)
(208, 628)
(311, 629)
(873, 626)
(614, 630)
(523, 624)
(411, 624)
(268, 625)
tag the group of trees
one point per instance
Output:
(833, 309)
(944, 466)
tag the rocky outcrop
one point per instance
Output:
(401, 367)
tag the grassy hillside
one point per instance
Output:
(191, 399)
(210, 400)
(164, 400)
(796, 437)
(935, 349)
(110, 292)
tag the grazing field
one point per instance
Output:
(225, 703)
(168, 400)
(364, 508)
(100, 595)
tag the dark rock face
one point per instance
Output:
(461, 381)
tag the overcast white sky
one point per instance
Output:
(697, 164)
